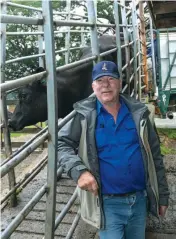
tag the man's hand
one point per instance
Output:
(87, 182)
(162, 210)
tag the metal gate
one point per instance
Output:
(132, 24)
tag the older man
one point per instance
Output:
(112, 152)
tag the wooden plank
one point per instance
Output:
(164, 7)
(154, 235)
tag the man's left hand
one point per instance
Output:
(162, 210)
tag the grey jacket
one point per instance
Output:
(77, 153)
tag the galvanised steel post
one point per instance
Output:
(52, 118)
(126, 41)
(82, 34)
(134, 23)
(6, 132)
(139, 64)
(118, 40)
(40, 43)
(94, 35)
(67, 35)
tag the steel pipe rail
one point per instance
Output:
(20, 157)
(40, 55)
(26, 210)
(21, 20)
(73, 226)
(24, 58)
(131, 78)
(124, 88)
(40, 33)
(25, 145)
(118, 40)
(22, 81)
(23, 6)
(79, 24)
(124, 67)
(66, 208)
(71, 13)
(28, 176)
(71, 49)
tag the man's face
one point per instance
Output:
(154, 35)
(107, 89)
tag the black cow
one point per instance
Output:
(73, 85)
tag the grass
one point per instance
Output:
(168, 145)
(165, 150)
(17, 134)
(170, 133)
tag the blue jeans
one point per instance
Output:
(125, 217)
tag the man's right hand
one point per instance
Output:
(87, 182)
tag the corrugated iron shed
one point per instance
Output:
(163, 13)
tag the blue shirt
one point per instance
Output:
(119, 153)
(149, 49)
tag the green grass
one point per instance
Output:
(165, 150)
(167, 146)
(170, 133)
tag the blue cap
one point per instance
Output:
(105, 68)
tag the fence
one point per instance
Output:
(132, 46)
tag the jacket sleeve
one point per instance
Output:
(68, 143)
(159, 165)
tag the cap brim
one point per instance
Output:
(106, 74)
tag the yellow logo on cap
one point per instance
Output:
(104, 68)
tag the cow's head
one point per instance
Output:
(31, 108)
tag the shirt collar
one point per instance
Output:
(100, 107)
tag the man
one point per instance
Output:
(149, 60)
(155, 43)
(118, 165)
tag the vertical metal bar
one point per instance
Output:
(118, 40)
(4, 116)
(126, 41)
(153, 56)
(169, 60)
(40, 43)
(94, 35)
(52, 118)
(82, 34)
(139, 64)
(143, 38)
(134, 23)
(67, 36)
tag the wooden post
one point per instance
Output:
(143, 41)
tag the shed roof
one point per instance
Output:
(163, 13)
